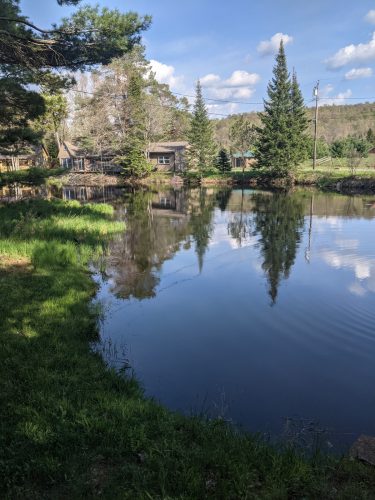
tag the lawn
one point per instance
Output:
(72, 428)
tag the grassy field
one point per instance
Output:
(71, 428)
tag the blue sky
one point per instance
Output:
(230, 45)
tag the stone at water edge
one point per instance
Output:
(364, 449)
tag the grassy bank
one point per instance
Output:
(334, 177)
(70, 428)
(29, 176)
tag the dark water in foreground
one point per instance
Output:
(248, 305)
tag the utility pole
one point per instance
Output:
(316, 95)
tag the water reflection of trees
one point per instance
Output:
(278, 220)
(201, 225)
(161, 223)
(158, 224)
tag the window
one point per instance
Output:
(164, 160)
(78, 164)
(65, 162)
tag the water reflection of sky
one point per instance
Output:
(271, 306)
(343, 251)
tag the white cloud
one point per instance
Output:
(351, 54)
(269, 47)
(232, 92)
(228, 108)
(356, 73)
(166, 74)
(337, 99)
(210, 80)
(370, 17)
(240, 85)
(242, 78)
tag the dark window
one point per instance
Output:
(164, 160)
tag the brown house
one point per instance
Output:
(164, 156)
(37, 158)
(240, 160)
(168, 156)
(78, 160)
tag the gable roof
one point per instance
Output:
(71, 149)
(167, 147)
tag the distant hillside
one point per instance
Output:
(334, 122)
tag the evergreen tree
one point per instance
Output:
(134, 159)
(279, 221)
(29, 54)
(370, 136)
(275, 142)
(201, 152)
(299, 123)
(223, 162)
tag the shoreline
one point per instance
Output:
(325, 181)
(338, 184)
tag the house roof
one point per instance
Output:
(71, 149)
(167, 147)
(35, 150)
(77, 152)
(247, 154)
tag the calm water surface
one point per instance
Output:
(250, 305)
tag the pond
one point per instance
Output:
(256, 307)
(251, 306)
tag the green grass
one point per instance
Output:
(29, 176)
(71, 428)
(324, 176)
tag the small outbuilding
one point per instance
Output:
(168, 156)
(238, 159)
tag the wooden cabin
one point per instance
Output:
(164, 156)
(78, 160)
(38, 157)
(239, 158)
(168, 156)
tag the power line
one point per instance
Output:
(212, 113)
(123, 96)
(219, 100)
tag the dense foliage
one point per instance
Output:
(202, 147)
(30, 54)
(120, 109)
(281, 137)
(223, 163)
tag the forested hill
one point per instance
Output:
(334, 122)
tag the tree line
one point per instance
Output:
(95, 86)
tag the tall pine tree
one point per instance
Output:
(299, 124)
(201, 154)
(279, 142)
